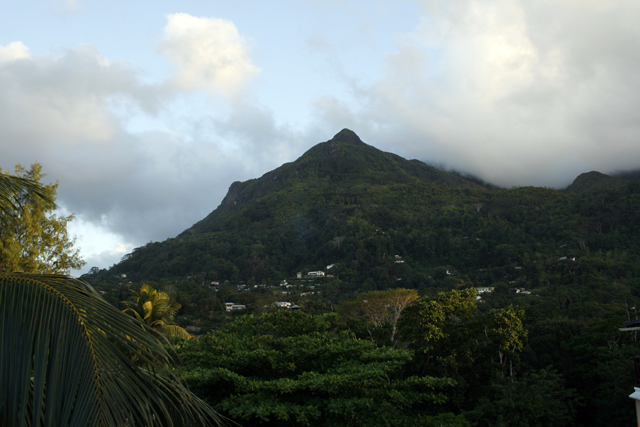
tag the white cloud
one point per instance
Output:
(13, 51)
(517, 93)
(71, 5)
(126, 188)
(64, 101)
(210, 54)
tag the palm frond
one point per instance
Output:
(174, 331)
(61, 361)
(11, 186)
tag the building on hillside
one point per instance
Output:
(315, 274)
(483, 289)
(282, 304)
(229, 306)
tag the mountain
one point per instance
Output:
(343, 161)
(628, 175)
(593, 181)
(383, 221)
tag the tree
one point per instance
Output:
(380, 308)
(452, 338)
(507, 333)
(538, 399)
(61, 362)
(155, 309)
(428, 324)
(289, 368)
(11, 185)
(32, 238)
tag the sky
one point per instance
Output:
(145, 112)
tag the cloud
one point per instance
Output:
(71, 5)
(520, 95)
(70, 113)
(64, 101)
(210, 54)
(13, 51)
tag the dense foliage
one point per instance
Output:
(291, 369)
(32, 238)
(67, 361)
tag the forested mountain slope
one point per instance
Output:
(593, 181)
(327, 168)
(385, 222)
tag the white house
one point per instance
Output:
(229, 306)
(282, 304)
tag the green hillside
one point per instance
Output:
(326, 169)
(349, 204)
(593, 181)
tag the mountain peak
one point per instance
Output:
(593, 181)
(348, 136)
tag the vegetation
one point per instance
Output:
(32, 238)
(564, 268)
(378, 309)
(293, 369)
(155, 309)
(75, 369)
(67, 355)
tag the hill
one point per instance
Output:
(593, 181)
(384, 221)
(329, 167)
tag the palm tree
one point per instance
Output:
(62, 362)
(155, 309)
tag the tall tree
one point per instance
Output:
(380, 308)
(33, 239)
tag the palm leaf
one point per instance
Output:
(148, 309)
(12, 186)
(174, 331)
(61, 361)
